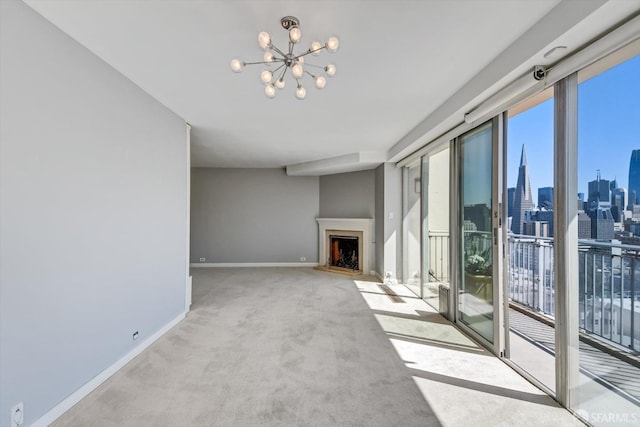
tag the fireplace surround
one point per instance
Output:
(348, 228)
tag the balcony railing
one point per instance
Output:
(439, 256)
(609, 292)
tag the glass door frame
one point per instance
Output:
(498, 227)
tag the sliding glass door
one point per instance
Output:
(480, 232)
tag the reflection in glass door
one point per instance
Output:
(477, 273)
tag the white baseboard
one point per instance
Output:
(83, 391)
(253, 264)
(379, 276)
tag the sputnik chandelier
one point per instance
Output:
(274, 78)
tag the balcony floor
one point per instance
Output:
(607, 384)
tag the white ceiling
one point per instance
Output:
(399, 61)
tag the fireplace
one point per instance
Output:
(345, 244)
(344, 251)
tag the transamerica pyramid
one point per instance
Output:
(522, 199)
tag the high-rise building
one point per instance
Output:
(634, 176)
(546, 216)
(522, 200)
(536, 228)
(545, 197)
(632, 199)
(511, 193)
(616, 214)
(602, 227)
(584, 225)
(619, 199)
(538, 221)
(598, 192)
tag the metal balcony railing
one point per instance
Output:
(439, 256)
(608, 286)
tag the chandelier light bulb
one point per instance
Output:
(332, 44)
(321, 82)
(301, 92)
(295, 34)
(268, 57)
(237, 65)
(270, 91)
(330, 70)
(316, 47)
(280, 83)
(264, 40)
(266, 76)
(297, 70)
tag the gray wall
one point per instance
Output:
(348, 195)
(93, 209)
(253, 216)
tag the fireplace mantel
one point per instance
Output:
(364, 225)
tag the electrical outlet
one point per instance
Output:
(203, 259)
(17, 415)
(303, 258)
(135, 335)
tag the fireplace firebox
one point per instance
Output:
(344, 252)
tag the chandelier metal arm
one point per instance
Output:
(314, 65)
(310, 51)
(274, 47)
(283, 73)
(278, 68)
(264, 62)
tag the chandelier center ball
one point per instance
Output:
(289, 59)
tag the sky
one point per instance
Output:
(608, 130)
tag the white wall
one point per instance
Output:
(253, 216)
(93, 184)
(379, 224)
(388, 206)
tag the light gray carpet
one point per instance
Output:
(264, 347)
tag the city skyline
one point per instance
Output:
(608, 131)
